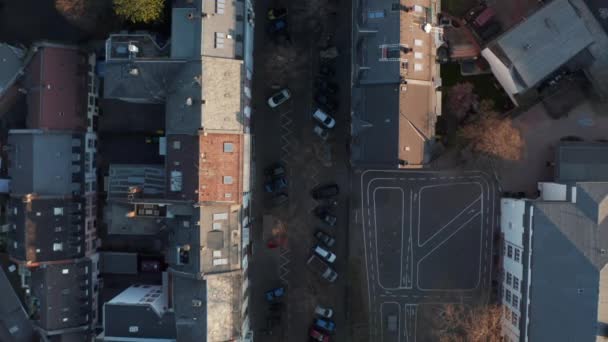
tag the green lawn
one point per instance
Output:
(457, 8)
(485, 85)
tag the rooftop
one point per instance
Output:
(223, 306)
(56, 85)
(542, 43)
(122, 219)
(46, 229)
(223, 28)
(11, 63)
(63, 292)
(43, 162)
(186, 33)
(220, 166)
(190, 318)
(117, 262)
(182, 167)
(184, 108)
(140, 311)
(133, 46)
(576, 161)
(222, 91)
(15, 325)
(147, 180)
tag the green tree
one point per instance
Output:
(139, 11)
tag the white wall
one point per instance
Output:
(512, 228)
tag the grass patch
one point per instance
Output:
(484, 86)
(457, 8)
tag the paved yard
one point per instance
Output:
(541, 134)
(427, 239)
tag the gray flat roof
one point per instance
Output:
(576, 161)
(15, 325)
(545, 41)
(184, 109)
(118, 262)
(376, 125)
(10, 65)
(185, 33)
(190, 320)
(565, 269)
(41, 162)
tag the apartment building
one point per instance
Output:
(202, 75)
(554, 252)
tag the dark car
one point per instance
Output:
(280, 199)
(325, 191)
(325, 215)
(326, 102)
(277, 26)
(325, 86)
(275, 184)
(325, 238)
(327, 70)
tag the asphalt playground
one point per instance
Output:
(427, 240)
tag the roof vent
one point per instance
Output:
(527, 46)
(189, 101)
(133, 48)
(134, 71)
(580, 291)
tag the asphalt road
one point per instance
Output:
(427, 239)
(285, 135)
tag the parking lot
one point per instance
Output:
(427, 239)
(285, 135)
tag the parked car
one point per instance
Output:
(276, 13)
(325, 86)
(275, 184)
(321, 132)
(275, 293)
(326, 102)
(321, 268)
(279, 199)
(324, 254)
(327, 70)
(325, 238)
(324, 119)
(325, 191)
(279, 98)
(325, 215)
(324, 312)
(316, 335)
(325, 325)
(276, 26)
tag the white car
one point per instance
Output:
(324, 119)
(321, 132)
(324, 312)
(279, 98)
(324, 254)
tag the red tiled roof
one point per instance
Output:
(56, 84)
(215, 164)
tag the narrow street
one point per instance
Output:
(285, 134)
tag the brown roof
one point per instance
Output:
(56, 84)
(220, 170)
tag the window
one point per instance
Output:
(508, 278)
(220, 5)
(65, 319)
(516, 283)
(219, 40)
(58, 229)
(508, 296)
(57, 211)
(507, 313)
(57, 246)
(510, 251)
(375, 14)
(177, 145)
(227, 179)
(516, 302)
(133, 329)
(504, 249)
(514, 319)
(228, 147)
(517, 255)
(65, 271)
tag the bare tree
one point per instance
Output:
(493, 136)
(461, 99)
(460, 323)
